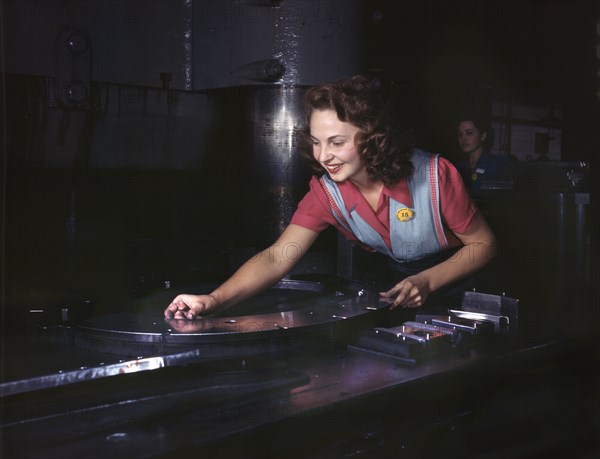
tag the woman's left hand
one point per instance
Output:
(409, 293)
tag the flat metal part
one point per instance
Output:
(414, 331)
(293, 312)
(500, 322)
(291, 315)
(386, 331)
(409, 341)
(87, 374)
(99, 371)
(413, 337)
(485, 303)
(473, 327)
(428, 327)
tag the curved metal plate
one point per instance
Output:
(289, 309)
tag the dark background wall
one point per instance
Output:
(443, 56)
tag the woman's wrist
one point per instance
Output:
(216, 301)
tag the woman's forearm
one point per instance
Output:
(267, 267)
(254, 276)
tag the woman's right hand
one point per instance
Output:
(190, 306)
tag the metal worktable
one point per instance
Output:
(503, 396)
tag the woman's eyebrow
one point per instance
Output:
(333, 137)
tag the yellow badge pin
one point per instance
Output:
(405, 214)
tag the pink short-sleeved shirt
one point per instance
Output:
(456, 206)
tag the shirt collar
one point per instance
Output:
(399, 192)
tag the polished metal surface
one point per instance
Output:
(82, 374)
(408, 343)
(292, 315)
(500, 322)
(341, 393)
(290, 308)
(278, 170)
(501, 310)
(466, 325)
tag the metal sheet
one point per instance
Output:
(290, 309)
(294, 314)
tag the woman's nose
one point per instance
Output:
(323, 154)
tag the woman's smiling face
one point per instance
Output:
(334, 146)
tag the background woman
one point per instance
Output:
(478, 165)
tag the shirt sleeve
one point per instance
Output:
(312, 212)
(456, 206)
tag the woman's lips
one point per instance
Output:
(333, 168)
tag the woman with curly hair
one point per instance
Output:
(379, 191)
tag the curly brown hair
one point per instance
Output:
(385, 149)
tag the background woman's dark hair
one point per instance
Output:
(384, 147)
(482, 124)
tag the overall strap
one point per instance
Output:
(417, 231)
(351, 220)
(337, 213)
(434, 188)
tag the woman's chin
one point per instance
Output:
(337, 177)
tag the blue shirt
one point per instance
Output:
(488, 168)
